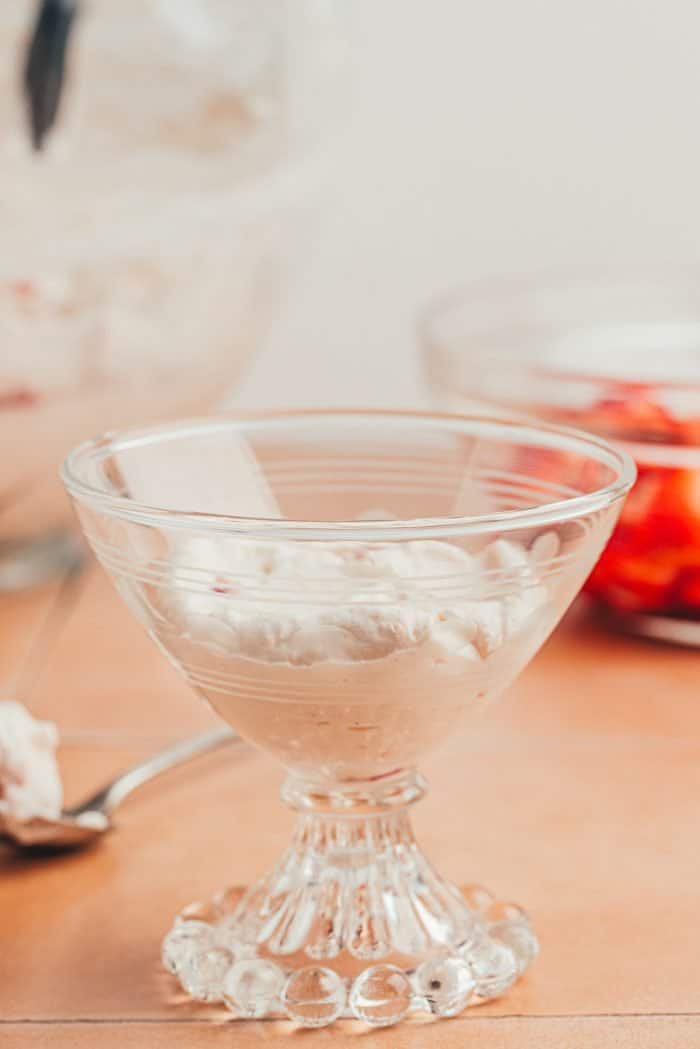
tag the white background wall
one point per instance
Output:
(487, 137)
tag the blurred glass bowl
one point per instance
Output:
(146, 246)
(616, 353)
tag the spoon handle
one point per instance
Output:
(113, 793)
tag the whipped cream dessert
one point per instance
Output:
(353, 658)
(30, 784)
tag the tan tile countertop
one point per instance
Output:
(579, 798)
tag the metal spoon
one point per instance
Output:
(85, 823)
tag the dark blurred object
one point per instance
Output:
(616, 353)
(45, 68)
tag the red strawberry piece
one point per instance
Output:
(688, 590)
(634, 584)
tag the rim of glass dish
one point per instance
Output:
(558, 437)
(497, 286)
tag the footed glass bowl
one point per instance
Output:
(348, 590)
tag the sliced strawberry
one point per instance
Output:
(633, 418)
(676, 513)
(643, 498)
(633, 584)
(688, 590)
(689, 431)
(652, 563)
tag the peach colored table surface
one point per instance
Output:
(579, 797)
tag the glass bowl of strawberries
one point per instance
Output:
(616, 353)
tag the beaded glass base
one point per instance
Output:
(352, 922)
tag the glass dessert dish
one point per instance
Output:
(618, 354)
(148, 243)
(348, 590)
